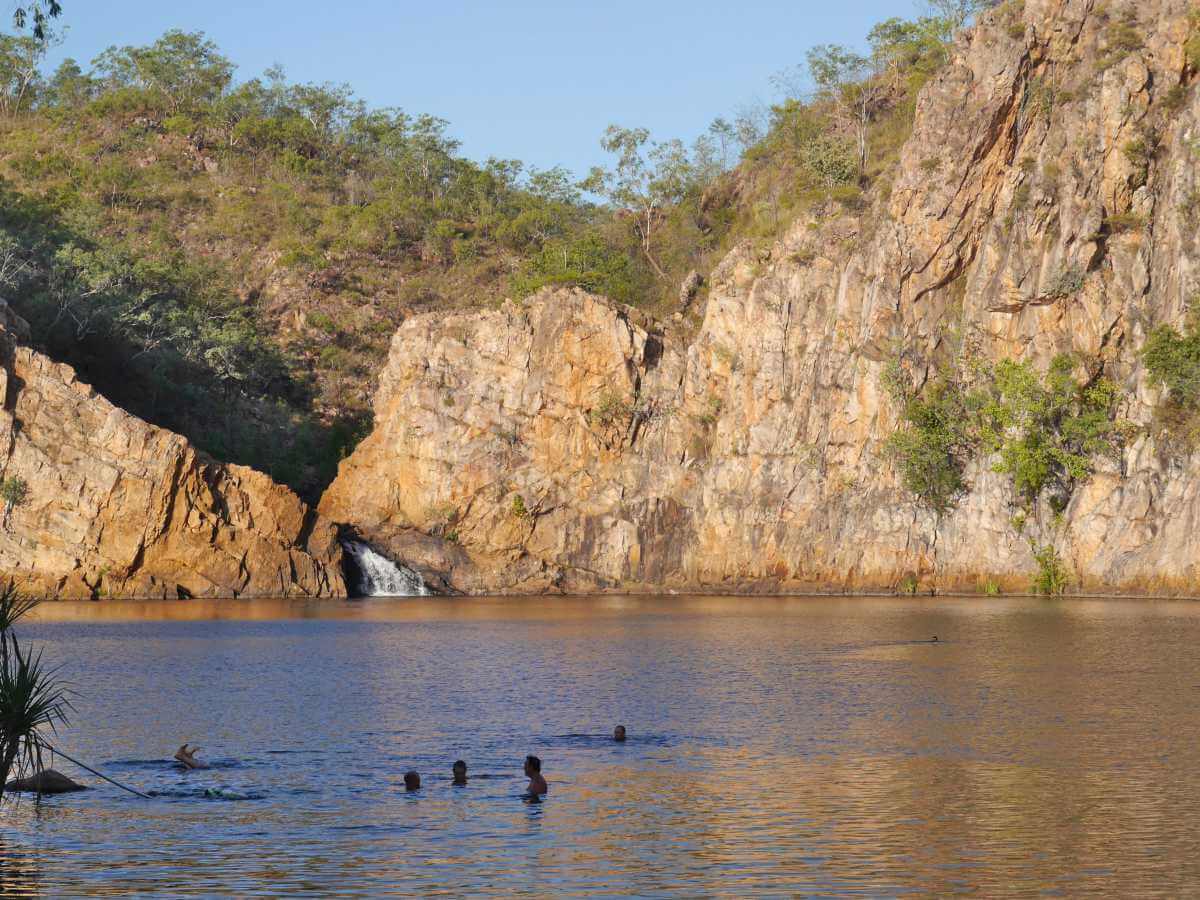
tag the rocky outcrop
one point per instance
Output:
(115, 507)
(566, 443)
(48, 781)
(515, 438)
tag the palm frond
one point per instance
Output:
(32, 699)
(13, 606)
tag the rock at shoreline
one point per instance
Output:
(48, 781)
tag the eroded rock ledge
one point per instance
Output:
(116, 507)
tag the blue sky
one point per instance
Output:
(527, 79)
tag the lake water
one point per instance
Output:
(809, 746)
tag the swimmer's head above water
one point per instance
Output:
(412, 781)
(533, 770)
(619, 733)
(460, 772)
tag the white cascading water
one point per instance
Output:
(380, 577)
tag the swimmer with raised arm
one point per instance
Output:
(187, 758)
(537, 784)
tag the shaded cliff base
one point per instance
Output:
(447, 569)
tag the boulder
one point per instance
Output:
(48, 781)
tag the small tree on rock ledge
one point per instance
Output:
(13, 491)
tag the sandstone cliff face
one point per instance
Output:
(564, 443)
(116, 507)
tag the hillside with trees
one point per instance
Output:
(229, 258)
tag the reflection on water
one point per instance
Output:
(775, 746)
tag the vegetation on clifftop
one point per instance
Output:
(229, 259)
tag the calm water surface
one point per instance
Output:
(777, 746)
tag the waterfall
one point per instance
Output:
(378, 576)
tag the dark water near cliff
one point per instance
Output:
(777, 746)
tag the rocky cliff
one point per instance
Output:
(565, 443)
(99, 503)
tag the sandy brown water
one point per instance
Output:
(777, 746)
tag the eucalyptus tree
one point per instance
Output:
(184, 69)
(37, 12)
(648, 177)
(957, 13)
(850, 83)
(21, 58)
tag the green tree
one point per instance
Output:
(68, 87)
(1047, 430)
(935, 443)
(1173, 360)
(20, 76)
(13, 491)
(184, 69)
(903, 48)
(648, 177)
(850, 83)
(37, 12)
(725, 139)
(956, 13)
(585, 261)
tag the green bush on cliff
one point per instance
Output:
(1173, 362)
(13, 491)
(1044, 429)
(585, 261)
(610, 409)
(935, 444)
(1191, 47)
(1048, 429)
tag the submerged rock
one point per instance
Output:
(48, 781)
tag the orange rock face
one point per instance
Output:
(115, 507)
(561, 443)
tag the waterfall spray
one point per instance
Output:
(380, 577)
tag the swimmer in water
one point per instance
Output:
(619, 733)
(460, 772)
(412, 781)
(537, 784)
(933, 640)
(188, 759)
